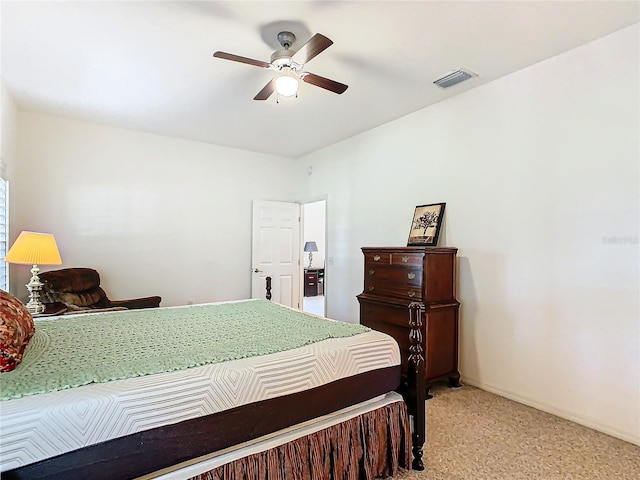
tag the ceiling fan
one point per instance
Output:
(289, 66)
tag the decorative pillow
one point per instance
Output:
(16, 329)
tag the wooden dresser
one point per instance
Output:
(394, 278)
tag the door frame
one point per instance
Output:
(303, 202)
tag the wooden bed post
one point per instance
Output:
(416, 380)
(268, 280)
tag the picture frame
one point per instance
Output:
(426, 224)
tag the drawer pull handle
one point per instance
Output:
(371, 289)
(405, 259)
(371, 272)
(412, 294)
(376, 258)
(411, 276)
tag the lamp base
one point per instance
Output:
(310, 259)
(35, 306)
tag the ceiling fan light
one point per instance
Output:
(286, 85)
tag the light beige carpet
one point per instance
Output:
(473, 434)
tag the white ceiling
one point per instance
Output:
(149, 65)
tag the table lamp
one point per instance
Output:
(35, 249)
(310, 247)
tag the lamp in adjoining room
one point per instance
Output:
(310, 247)
(31, 248)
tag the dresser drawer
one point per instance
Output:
(405, 292)
(375, 258)
(406, 259)
(374, 313)
(384, 273)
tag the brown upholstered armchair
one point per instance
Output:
(79, 289)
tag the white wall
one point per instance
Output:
(154, 215)
(540, 173)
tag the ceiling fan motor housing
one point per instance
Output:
(282, 58)
(286, 39)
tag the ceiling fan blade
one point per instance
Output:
(316, 44)
(325, 83)
(238, 58)
(266, 92)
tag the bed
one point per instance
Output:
(324, 404)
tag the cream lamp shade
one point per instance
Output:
(31, 248)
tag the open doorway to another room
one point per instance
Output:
(313, 258)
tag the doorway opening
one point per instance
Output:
(314, 215)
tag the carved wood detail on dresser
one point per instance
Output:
(394, 278)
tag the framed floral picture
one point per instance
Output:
(425, 228)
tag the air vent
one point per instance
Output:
(453, 78)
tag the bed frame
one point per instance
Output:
(177, 443)
(414, 390)
(413, 387)
(174, 444)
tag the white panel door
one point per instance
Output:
(276, 251)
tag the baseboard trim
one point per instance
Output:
(559, 412)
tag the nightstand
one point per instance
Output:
(310, 284)
(313, 282)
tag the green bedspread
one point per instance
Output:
(74, 351)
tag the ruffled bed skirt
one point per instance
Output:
(372, 445)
